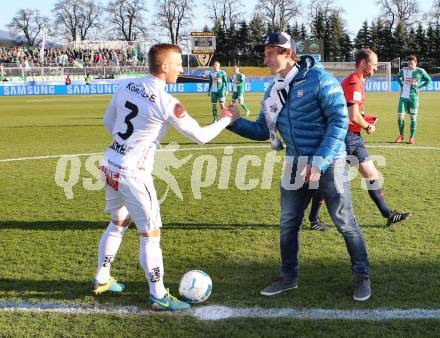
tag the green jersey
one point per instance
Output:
(411, 81)
(238, 81)
(218, 82)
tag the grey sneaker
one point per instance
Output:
(362, 288)
(279, 285)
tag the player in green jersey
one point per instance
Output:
(218, 82)
(238, 82)
(410, 79)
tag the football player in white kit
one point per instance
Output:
(138, 116)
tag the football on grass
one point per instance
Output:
(195, 286)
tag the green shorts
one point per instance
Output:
(237, 95)
(409, 106)
(221, 98)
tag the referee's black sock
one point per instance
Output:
(317, 201)
(377, 196)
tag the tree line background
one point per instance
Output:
(399, 30)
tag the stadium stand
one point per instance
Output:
(65, 57)
(102, 60)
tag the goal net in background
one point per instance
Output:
(380, 81)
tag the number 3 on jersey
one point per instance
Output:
(133, 113)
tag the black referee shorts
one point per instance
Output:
(355, 146)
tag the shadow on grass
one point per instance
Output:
(322, 284)
(64, 290)
(85, 225)
(89, 225)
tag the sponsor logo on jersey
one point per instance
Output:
(179, 110)
(121, 149)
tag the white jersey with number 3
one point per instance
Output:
(138, 117)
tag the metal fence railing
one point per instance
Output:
(58, 73)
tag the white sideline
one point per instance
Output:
(215, 312)
(218, 312)
(88, 154)
(201, 148)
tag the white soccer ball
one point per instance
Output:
(195, 286)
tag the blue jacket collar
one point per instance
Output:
(305, 63)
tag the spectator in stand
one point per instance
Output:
(65, 57)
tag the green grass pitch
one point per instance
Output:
(49, 243)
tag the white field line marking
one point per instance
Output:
(403, 147)
(73, 308)
(200, 148)
(44, 157)
(217, 312)
(181, 149)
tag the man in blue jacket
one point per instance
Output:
(306, 106)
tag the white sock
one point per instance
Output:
(108, 247)
(150, 257)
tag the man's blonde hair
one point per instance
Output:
(156, 55)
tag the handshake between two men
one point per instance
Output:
(233, 111)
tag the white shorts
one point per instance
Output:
(135, 197)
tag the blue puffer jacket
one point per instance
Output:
(314, 120)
